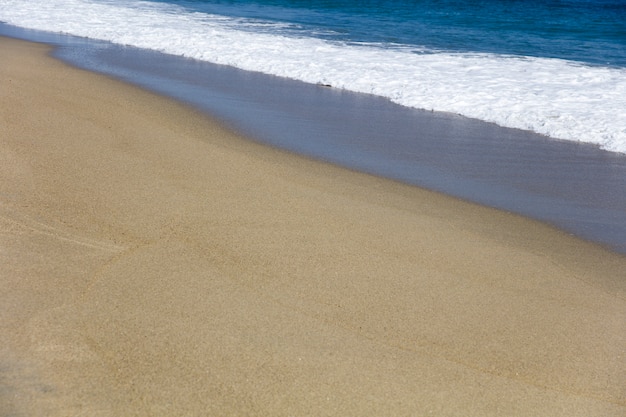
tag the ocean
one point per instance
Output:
(516, 104)
(555, 67)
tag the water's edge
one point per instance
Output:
(576, 187)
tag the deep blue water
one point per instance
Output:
(589, 31)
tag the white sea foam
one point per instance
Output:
(554, 97)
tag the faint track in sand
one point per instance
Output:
(15, 220)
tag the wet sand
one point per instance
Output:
(154, 263)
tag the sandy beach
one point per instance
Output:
(154, 263)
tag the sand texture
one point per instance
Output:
(153, 263)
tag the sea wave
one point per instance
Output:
(558, 98)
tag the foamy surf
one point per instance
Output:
(558, 98)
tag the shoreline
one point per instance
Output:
(576, 187)
(155, 263)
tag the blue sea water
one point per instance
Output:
(554, 67)
(589, 31)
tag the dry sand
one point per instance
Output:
(153, 263)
